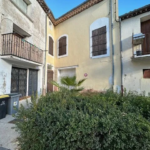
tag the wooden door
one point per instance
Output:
(145, 28)
(49, 79)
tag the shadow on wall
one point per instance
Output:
(127, 43)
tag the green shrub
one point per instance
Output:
(63, 121)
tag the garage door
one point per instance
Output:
(33, 82)
(67, 72)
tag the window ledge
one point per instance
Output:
(51, 55)
(142, 56)
(99, 56)
(21, 11)
(62, 56)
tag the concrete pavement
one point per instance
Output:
(8, 136)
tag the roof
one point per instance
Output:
(135, 12)
(85, 5)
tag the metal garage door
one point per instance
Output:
(33, 82)
(67, 72)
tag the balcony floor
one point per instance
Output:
(20, 61)
(141, 58)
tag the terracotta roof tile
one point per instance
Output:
(87, 4)
(135, 12)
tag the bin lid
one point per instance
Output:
(4, 96)
(13, 94)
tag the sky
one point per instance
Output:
(60, 7)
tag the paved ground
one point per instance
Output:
(7, 134)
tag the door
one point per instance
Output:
(145, 28)
(19, 81)
(33, 82)
(49, 79)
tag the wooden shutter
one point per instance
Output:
(51, 44)
(63, 46)
(99, 41)
(145, 28)
(146, 73)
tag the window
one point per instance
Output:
(99, 41)
(99, 38)
(51, 46)
(19, 81)
(22, 5)
(146, 73)
(62, 46)
(145, 28)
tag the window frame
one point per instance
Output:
(53, 46)
(99, 23)
(24, 5)
(144, 74)
(64, 35)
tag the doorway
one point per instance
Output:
(49, 79)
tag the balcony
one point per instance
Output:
(141, 47)
(15, 46)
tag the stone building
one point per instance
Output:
(22, 47)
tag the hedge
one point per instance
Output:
(66, 121)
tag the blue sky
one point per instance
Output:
(60, 7)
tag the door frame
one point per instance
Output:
(47, 72)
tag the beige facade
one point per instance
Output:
(102, 72)
(133, 65)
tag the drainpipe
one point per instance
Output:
(111, 24)
(44, 67)
(121, 59)
(119, 21)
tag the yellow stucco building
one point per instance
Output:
(85, 42)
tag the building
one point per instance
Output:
(90, 41)
(84, 42)
(135, 38)
(22, 47)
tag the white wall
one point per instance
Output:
(5, 77)
(133, 70)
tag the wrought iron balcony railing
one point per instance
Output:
(16, 46)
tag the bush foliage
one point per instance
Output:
(66, 121)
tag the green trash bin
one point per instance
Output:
(13, 103)
(3, 105)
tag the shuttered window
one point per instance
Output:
(146, 73)
(99, 42)
(51, 46)
(62, 46)
(145, 28)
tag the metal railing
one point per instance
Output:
(16, 46)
